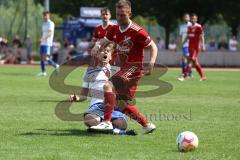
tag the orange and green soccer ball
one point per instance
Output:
(187, 141)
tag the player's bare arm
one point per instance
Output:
(203, 43)
(185, 40)
(153, 56)
(47, 36)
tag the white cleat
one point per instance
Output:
(103, 126)
(181, 78)
(57, 66)
(43, 74)
(148, 129)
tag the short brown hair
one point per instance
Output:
(111, 46)
(105, 9)
(123, 4)
(45, 13)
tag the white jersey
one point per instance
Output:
(183, 32)
(46, 28)
(94, 80)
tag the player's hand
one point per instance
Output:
(95, 49)
(149, 69)
(74, 98)
(204, 49)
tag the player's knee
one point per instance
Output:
(120, 123)
(108, 87)
(91, 120)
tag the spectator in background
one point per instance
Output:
(16, 53)
(172, 46)
(56, 47)
(222, 45)
(160, 43)
(66, 43)
(212, 46)
(233, 43)
(28, 45)
(16, 43)
(83, 46)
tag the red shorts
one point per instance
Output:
(193, 53)
(125, 81)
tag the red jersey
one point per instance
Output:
(130, 42)
(194, 34)
(100, 31)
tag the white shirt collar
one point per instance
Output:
(124, 30)
(106, 25)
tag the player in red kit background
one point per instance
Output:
(130, 40)
(196, 38)
(101, 30)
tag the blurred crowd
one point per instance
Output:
(212, 45)
(16, 51)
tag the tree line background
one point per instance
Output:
(24, 16)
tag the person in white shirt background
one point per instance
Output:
(233, 44)
(46, 43)
(183, 28)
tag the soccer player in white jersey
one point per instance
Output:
(183, 28)
(46, 43)
(93, 84)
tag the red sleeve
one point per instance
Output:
(110, 33)
(200, 30)
(143, 39)
(95, 35)
(188, 31)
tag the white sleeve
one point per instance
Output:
(85, 84)
(51, 27)
(180, 31)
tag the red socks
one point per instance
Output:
(133, 113)
(199, 69)
(187, 71)
(110, 102)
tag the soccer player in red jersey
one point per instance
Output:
(101, 30)
(130, 40)
(196, 37)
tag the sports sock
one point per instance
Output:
(187, 71)
(183, 67)
(43, 66)
(133, 113)
(51, 62)
(110, 102)
(199, 69)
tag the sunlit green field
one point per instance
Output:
(29, 128)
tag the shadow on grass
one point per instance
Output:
(51, 100)
(58, 132)
(18, 74)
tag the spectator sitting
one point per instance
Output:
(66, 43)
(83, 46)
(172, 46)
(16, 43)
(28, 45)
(56, 47)
(233, 44)
(160, 43)
(8, 55)
(212, 46)
(222, 45)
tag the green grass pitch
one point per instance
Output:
(29, 128)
